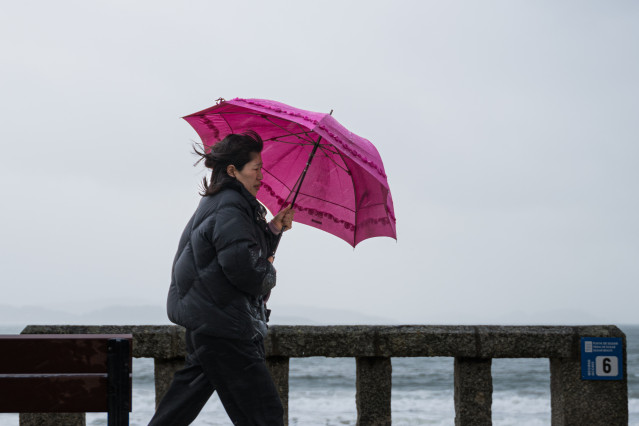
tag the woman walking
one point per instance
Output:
(222, 275)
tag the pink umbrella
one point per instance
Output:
(345, 191)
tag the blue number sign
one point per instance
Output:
(601, 358)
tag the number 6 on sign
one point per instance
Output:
(602, 358)
(606, 366)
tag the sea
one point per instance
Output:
(322, 391)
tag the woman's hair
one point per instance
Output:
(235, 149)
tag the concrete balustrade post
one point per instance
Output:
(164, 369)
(576, 402)
(373, 391)
(473, 391)
(52, 419)
(279, 367)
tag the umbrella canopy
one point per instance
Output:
(345, 191)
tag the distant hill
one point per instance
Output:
(154, 314)
(141, 314)
(107, 315)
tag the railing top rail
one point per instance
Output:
(480, 341)
(428, 341)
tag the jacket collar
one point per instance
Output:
(256, 206)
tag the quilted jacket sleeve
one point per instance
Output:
(239, 254)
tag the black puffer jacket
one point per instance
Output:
(221, 272)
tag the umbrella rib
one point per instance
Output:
(279, 180)
(328, 148)
(372, 205)
(227, 123)
(307, 195)
(240, 113)
(304, 132)
(245, 113)
(324, 147)
(302, 193)
(354, 198)
(334, 162)
(297, 135)
(308, 142)
(275, 139)
(326, 201)
(223, 114)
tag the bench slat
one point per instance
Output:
(61, 394)
(57, 354)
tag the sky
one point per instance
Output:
(508, 132)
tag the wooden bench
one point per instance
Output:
(66, 373)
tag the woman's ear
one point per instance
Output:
(230, 170)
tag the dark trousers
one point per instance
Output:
(236, 369)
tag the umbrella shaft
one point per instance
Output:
(308, 163)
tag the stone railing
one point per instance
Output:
(573, 401)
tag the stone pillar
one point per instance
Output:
(52, 419)
(164, 370)
(473, 391)
(576, 402)
(373, 397)
(279, 367)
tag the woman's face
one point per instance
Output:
(251, 174)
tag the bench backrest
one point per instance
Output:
(63, 373)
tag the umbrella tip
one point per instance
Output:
(330, 113)
(219, 101)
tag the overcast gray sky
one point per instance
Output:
(508, 130)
